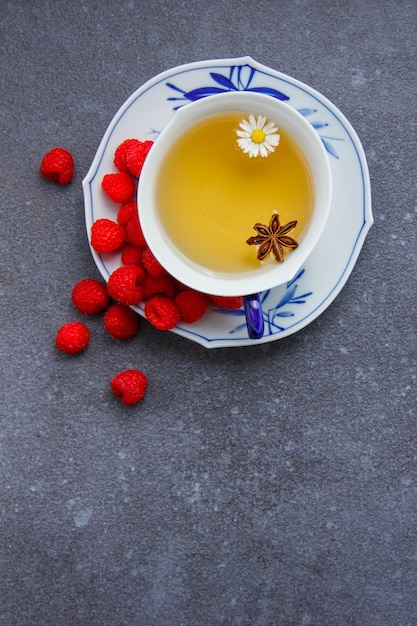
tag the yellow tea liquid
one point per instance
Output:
(210, 194)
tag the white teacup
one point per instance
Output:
(266, 275)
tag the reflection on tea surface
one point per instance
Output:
(210, 194)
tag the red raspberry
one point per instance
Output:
(72, 337)
(134, 232)
(227, 302)
(180, 286)
(151, 264)
(125, 284)
(192, 305)
(58, 165)
(126, 212)
(129, 385)
(106, 236)
(163, 313)
(121, 322)
(90, 296)
(136, 156)
(119, 187)
(121, 153)
(131, 255)
(159, 286)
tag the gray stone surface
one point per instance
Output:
(272, 485)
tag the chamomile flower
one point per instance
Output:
(257, 137)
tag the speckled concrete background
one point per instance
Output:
(272, 485)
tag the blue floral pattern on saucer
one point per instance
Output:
(287, 308)
(277, 311)
(235, 81)
(240, 78)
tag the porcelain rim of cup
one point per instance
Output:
(268, 275)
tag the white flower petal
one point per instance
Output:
(244, 125)
(245, 141)
(269, 128)
(272, 140)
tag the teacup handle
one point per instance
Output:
(254, 315)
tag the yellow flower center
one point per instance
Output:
(258, 135)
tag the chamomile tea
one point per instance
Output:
(210, 193)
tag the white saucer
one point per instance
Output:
(289, 308)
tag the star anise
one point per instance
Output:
(273, 238)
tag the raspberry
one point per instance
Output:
(90, 296)
(134, 232)
(180, 286)
(119, 187)
(121, 322)
(72, 337)
(163, 313)
(121, 153)
(227, 302)
(58, 166)
(192, 305)
(129, 385)
(125, 284)
(151, 264)
(131, 255)
(106, 236)
(159, 286)
(136, 156)
(126, 212)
